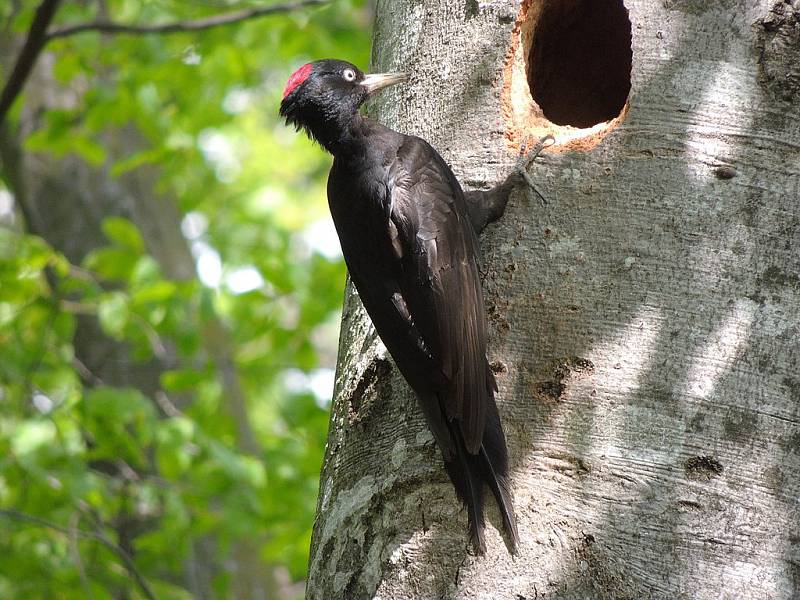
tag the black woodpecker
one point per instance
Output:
(408, 235)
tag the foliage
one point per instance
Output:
(79, 456)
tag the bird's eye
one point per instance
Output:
(349, 75)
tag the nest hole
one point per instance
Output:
(579, 63)
(567, 72)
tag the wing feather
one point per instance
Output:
(439, 279)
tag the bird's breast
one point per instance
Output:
(359, 204)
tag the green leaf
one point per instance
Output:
(123, 233)
(113, 314)
(145, 271)
(111, 262)
(67, 67)
(30, 436)
(118, 405)
(92, 152)
(135, 161)
(182, 380)
(159, 291)
(176, 449)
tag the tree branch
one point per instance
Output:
(37, 38)
(98, 536)
(38, 35)
(74, 534)
(179, 26)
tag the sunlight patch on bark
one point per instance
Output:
(711, 144)
(721, 350)
(627, 357)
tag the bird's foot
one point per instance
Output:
(487, 206)
(526, 158)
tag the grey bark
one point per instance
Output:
(644, 326)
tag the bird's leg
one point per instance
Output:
(487, 206)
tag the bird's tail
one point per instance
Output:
(471, 472)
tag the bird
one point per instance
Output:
(408, 234)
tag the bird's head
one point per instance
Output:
(322, 97)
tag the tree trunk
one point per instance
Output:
(643, 324)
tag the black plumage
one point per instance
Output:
(411, 251)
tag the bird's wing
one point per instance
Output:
(439, 279)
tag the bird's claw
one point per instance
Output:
(526, 158)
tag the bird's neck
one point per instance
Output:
(341, 134)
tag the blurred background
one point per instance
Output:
(170, 293)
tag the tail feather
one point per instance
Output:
(471, 472)
(499, 486)
(494, 461)
(466, 477)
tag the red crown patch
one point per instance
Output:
(297, 78)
